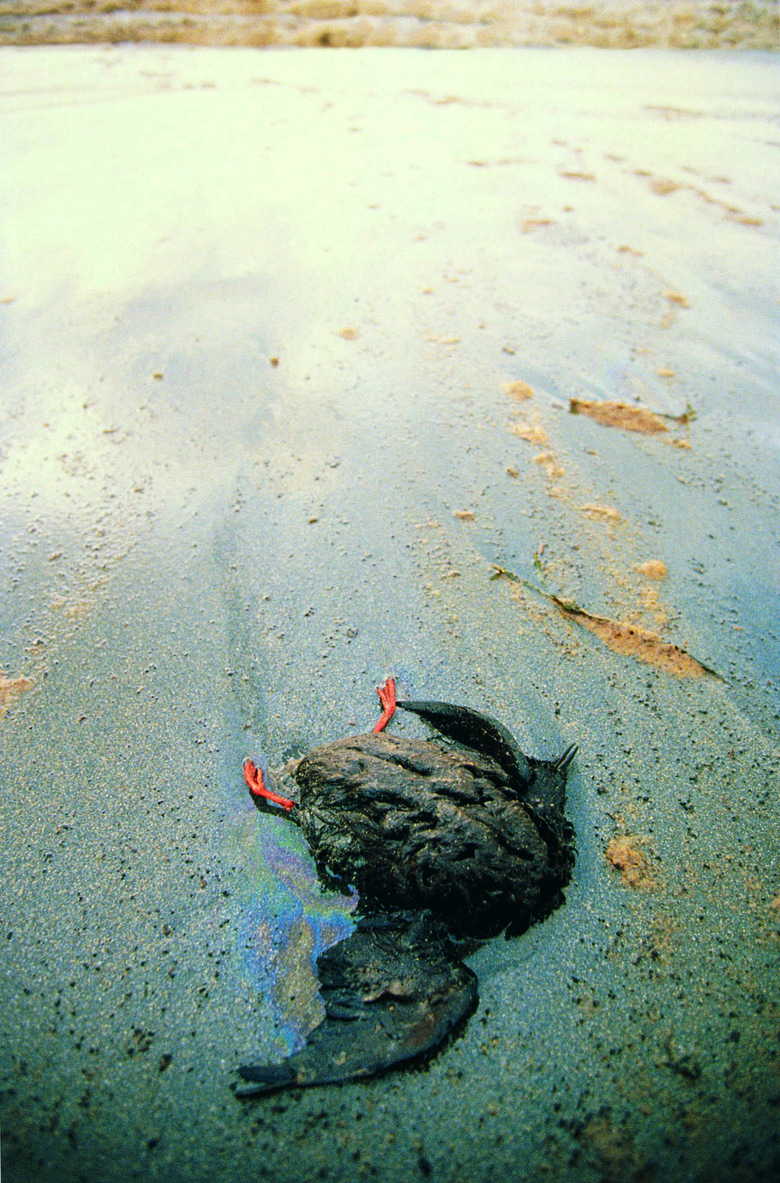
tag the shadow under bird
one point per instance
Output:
(448, 842)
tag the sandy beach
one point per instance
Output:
(432, 24)
(320, 367)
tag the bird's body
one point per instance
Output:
(412, 824)
(471, 837)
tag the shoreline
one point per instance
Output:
(439, 24)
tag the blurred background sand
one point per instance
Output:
(435, 24)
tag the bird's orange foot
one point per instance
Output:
(387, 698)
(254, 779)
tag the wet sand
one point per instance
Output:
(291, 348)
(437, 24)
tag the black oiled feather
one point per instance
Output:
(565, 758)
(393, 992)
(481, 732)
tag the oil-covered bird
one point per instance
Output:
(447, 842)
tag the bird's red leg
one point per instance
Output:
(254, 778)
(387, 698)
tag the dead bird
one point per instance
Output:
(446, 845)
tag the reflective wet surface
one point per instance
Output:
(288, 345)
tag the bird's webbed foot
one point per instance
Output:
(258, 788)
(386, 694)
